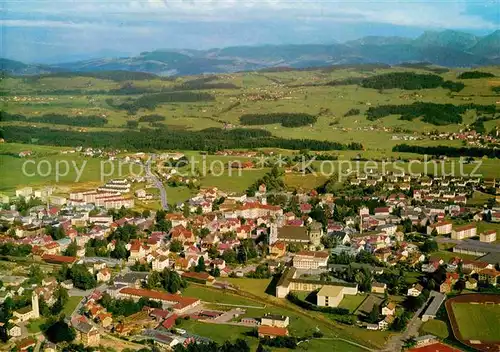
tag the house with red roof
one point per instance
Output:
(169, 322)
(271, 331)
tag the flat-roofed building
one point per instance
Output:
(330, 296)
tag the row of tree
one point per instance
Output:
(409, 81)
(436, 114)
(147, 139)
(57, 119)
(285, 119)
(151, 101)
(454, 152)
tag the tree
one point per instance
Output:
(146, 213)
(120, 251)
(36, 274)
(71, 249)
(176, 246)
(200, 267)
(60, 332)
(82, 278)
(186, 209)
(215, 272)
(429, 246)
(374, 315)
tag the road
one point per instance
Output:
(158, 183)
(396, 342)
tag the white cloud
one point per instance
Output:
(435, 14)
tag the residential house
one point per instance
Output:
(389, 309)
(415, 290)
(271, 331)
(269, 319)
(160, 263)
(277, 249)
(104, 275)
(489, 276)
(378, 287)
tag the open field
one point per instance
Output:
(217, 296)
(352, 302)
(435, 327)
(475, 321)
(255, 93)
(447, 255)
(71, 305)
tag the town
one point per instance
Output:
(397, 260)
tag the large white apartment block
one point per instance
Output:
(463, 232)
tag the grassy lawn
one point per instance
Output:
(217, 332)
(329, 345)
(476, 321)
(217, 296)
(412, 277)
(34, 326)
(71, 305)
(256, 286)
(13, 177)
(447, 255)
(352, 302)
(435, 327)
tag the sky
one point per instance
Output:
(49, 31)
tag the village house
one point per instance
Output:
(378, 287)
(489, 276)
(271, 331)
(86, 333)
(277, 249)
(449, 282)
(415, 290)
(389, 309)
(160, 263)
(269, 319)
(104, 275)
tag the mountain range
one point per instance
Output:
(445, 48)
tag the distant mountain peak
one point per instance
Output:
(448, 48)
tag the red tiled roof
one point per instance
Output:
(272, 331)
(465, 227)
(169, 322)
(197, 276)
(58, 259)
(313, 254)
(178, 299)
(27, 342)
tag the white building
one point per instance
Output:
(310, 260)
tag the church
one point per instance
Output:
(27, 313)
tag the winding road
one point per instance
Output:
(158, 183)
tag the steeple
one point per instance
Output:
(34, 305)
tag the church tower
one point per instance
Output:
(34, 306)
